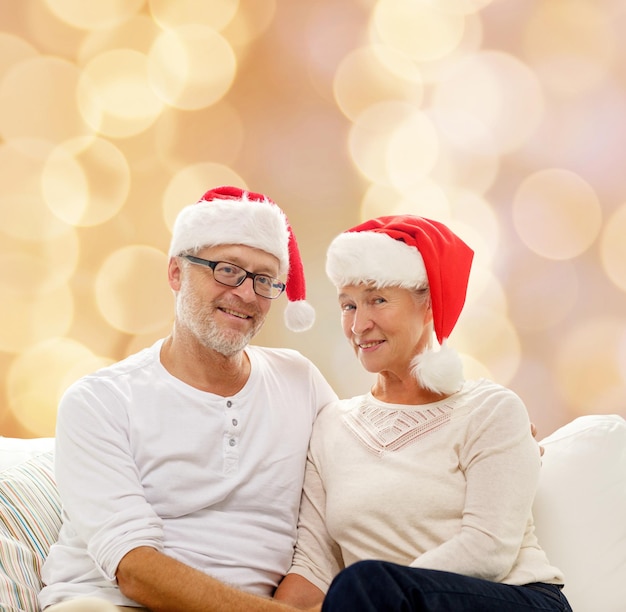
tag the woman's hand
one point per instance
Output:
(297, 591)
(533, 431)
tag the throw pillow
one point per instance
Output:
(30, 519)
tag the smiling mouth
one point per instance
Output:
(235, 313)
(367, 345)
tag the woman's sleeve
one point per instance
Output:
(317, 557)
(501, 462)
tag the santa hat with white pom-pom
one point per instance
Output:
(229, 215)
(411, 252)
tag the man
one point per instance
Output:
(180, 468)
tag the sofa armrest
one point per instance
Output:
(580, 510)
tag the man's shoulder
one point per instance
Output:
(129, 365)
(110, 388)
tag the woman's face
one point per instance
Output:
(387, 327)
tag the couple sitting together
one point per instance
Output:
(207, 474)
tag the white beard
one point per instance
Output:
(197, 316)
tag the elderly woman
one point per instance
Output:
(418, 494)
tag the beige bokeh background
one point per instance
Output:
(505, 119)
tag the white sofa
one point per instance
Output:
(580, 513)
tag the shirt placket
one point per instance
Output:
(232, 438)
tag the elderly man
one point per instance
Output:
(180, 468)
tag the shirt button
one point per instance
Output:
(235, 422)
(229, 404)
(232, 442)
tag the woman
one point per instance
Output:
(422, 488)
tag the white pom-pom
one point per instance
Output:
(440, 371)
(299, 316)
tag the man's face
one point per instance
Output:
(219, 317)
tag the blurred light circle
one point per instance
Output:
(613, 247)
(376, 143)
(14, 50)
(328, 33)
(61, 255)
(419, 29)
(426, 198)
(542, 294)
(489, 336)
(474, 369)
(177, 142)
(131, 289)
(467, 146)
(473, 218)
(38, 377)
(535, 383)
(115, 95)
(188, 186)
(571, 45)
(137, 34)
(37, 268)
(251, 20)
(397, 64)
(215, 14)
(94, 15)
(38, 101)
(573, 134)
(191, 67)
(484, 292)
(463, 7)
(373, 74)
(610, 400)
(86, 182)
(587, 365)
(471, 42)
(23, 211)
(39, 24)
(139, 342)
(413, 150)
(29, 317)
(378, 201)
(556, 213)
(499, 91)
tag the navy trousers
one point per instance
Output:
(379, 586)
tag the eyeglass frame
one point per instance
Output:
(207, 263)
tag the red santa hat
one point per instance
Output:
(409, 251)
(229, 215)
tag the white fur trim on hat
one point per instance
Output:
(261, 225)
(365, 257)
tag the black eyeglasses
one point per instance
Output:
(232, 276)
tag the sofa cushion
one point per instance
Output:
(14, 451)
(580, 510)
(30, 519)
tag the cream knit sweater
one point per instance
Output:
(447, 486)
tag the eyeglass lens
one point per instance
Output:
(232, 275)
